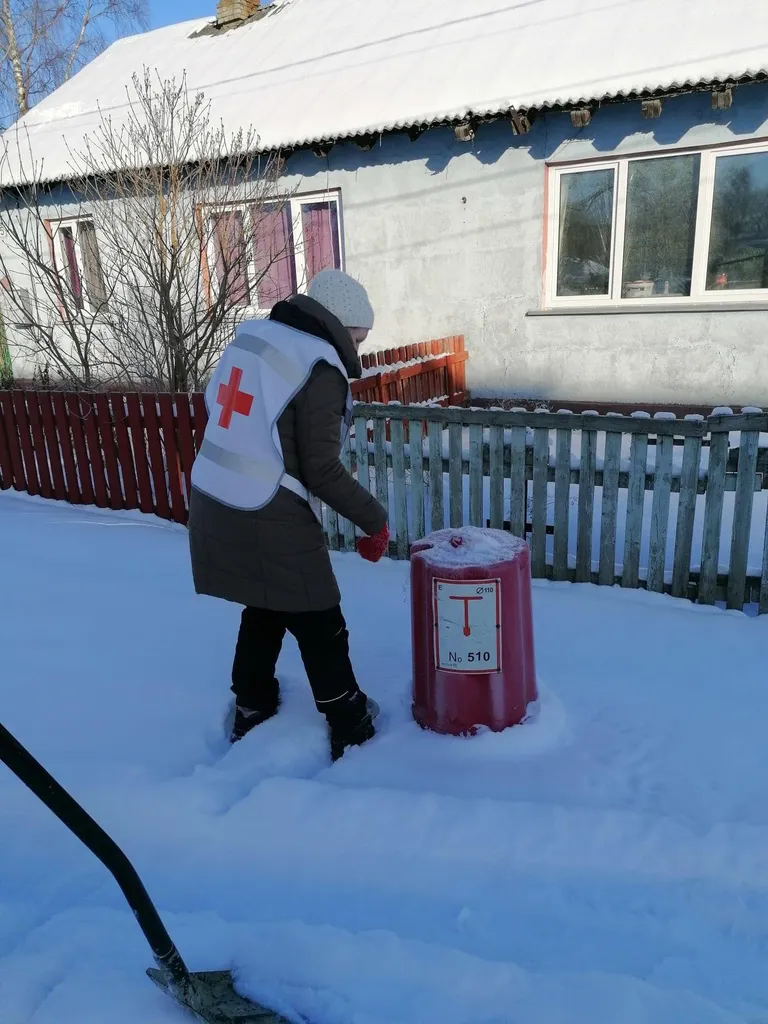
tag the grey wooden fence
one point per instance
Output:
(676, 506)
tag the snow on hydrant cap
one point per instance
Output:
(469, 545)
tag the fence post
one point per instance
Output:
(154, 448)
(476, 475)
(398, 489)
(686, 516)
(146, 497)
(38, 441)
(455, 475)
(496, 483)
(539, 511)
(564, 440)
(630, 576)
(6, 467)
(25, 442)
(610, 509)
(361, 452)
(518, 511)
(586, 506)
(14, 467)
(186, 440)
(662, 487)
(348, 528)
(52, 446)
(713, 517)
(461, 366)
(109, 451)
(95, 456)
(742, 518)
(67, 451)
(416, 466)
(380, 456)
(436, 502)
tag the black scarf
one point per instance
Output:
(306, 315)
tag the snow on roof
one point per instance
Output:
(320, 70)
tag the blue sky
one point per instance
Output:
(166, 12)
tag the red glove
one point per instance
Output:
(372, 548)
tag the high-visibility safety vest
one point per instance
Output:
(240, 462)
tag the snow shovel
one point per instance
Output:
(210, 995)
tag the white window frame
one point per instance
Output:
(620, 165)
(296, 203)
(59, 258)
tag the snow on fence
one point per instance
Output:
(671, 505)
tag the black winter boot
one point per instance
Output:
(247, 719)
(351, 723)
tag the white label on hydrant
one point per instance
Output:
(467, 617)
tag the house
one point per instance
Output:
(578, 186)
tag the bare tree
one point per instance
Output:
(135, 272)
(44, 42)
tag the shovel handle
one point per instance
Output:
(81, 824)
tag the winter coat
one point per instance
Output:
(276, 557)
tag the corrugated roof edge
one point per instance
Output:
(496, 113)
(490, 114)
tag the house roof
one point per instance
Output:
(319, 70)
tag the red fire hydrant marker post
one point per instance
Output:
(472, 621)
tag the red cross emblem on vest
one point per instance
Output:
(232, 399)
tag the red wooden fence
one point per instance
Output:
(135, 451)
(432, 371)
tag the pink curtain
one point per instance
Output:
(273, 247)
(320, 225)
(231, 257)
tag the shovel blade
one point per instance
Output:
(211, 997)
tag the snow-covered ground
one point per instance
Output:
(606, 863)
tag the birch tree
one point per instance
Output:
(44, 42)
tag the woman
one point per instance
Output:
(279, 410)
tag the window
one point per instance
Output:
(586, 227)
(691, 227)
(738, 241)
(76, 255)
(266, 254)
(660, 227)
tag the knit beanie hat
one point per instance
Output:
(343, 296)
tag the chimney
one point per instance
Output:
(229, 12)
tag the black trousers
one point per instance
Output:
(324, 645)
